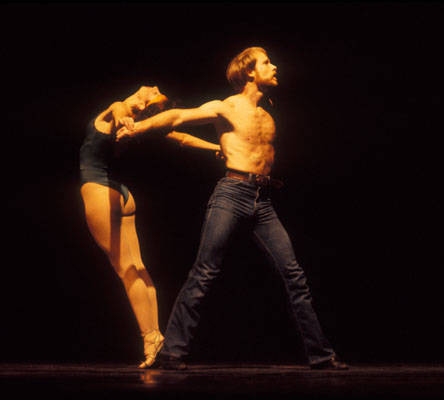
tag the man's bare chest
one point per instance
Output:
(253, 125)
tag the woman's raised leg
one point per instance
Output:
(112, 224)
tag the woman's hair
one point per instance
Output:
(241, 65)
(161, 102)
(156, 108)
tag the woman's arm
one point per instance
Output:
(170, 119)
(121, 117)
(184, 139)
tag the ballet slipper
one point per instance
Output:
(152, 343)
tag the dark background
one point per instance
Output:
(358, 112)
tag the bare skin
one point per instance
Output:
(246, 131)
(123, 113)
(112, 222)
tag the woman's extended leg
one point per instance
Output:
(112, 224)
(140, 287)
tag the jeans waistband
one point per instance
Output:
(257, 179)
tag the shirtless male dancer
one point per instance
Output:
(246, 133)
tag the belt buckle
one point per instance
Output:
(262, 180)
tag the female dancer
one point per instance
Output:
(110, 207)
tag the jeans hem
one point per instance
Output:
(322, 360)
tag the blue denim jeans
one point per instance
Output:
(235, 202)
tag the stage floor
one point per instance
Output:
(107, 381)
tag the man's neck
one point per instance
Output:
(252, 93)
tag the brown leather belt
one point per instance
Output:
(260, 180)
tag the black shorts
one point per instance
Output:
(101, 177)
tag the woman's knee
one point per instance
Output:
(122, 269)
(130, 272)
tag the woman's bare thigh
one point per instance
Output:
(104, 212)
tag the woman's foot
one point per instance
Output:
(152, 343)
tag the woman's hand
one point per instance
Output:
(127, 122)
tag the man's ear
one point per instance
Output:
(251, 75)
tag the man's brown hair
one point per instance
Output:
(237, 70)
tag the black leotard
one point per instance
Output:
(96, 160)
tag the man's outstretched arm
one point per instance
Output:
(171, 119)
(186, 140)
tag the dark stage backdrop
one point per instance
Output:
(357, 111)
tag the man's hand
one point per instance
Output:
(220, 155)
(124, 133)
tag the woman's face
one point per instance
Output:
(143, 98)
(150, 95)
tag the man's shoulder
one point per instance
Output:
(230, 103)
(231, 100)
(218, 106)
